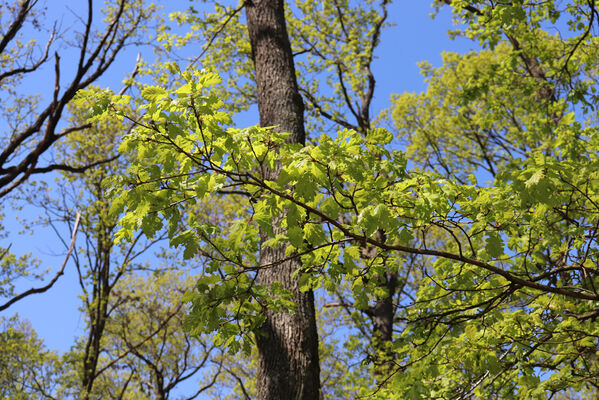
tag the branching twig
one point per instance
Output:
(58, 274)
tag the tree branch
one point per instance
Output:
(58, 274)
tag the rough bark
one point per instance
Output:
(383, 317)
(288, 366)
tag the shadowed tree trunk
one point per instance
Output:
(97, 309)
(288, 366)
(383, 317)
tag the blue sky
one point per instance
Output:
(415, 37)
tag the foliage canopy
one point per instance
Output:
(485, 188)
(509, 294)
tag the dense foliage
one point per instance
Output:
(475, 211)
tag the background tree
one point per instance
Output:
(105, 361)
(148, 327)
(32, 133)
(533, 100)
(32, 124)
(27, 369)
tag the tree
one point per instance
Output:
(31, 134)
(507, 295)
(27, 369)
(100, 298)
(333, 46)
(287, 342)
(99, 264)
(32, 129)
(451, 130)
(122, 352)
(148, 327)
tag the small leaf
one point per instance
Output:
(153, 93)
(535, 178)
(494, 245)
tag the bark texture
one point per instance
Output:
(383, 317)
(288, 365)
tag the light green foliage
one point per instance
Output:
(27, 368)
(127, 343)
(145, 351)
(476, 114)
(482, 110)
(86, 156)
(502, 234)
(507, 296)
(516, 114)
(147, 327)
(175, 157)
(333, 43)
(13, 269)
(344, 371)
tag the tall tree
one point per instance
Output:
(27, 369)
(146, 329)
(30, 134)
(288, 364)
(333, 46)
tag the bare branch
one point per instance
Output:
(70, 168)
(24, 70)
(325, 114)
(42, 131)
(58, 274)
(17, 24)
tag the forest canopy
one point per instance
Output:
(446, 248)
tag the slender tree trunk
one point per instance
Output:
(288, 366)
(98, 314)
(382, 313)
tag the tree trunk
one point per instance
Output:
(288, 366)
(98, 313)
(383, 316)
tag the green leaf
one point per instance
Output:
(306, 188)
(405, 236)
(535, 178)
(471, 331)
(314, 234)
(379, 136)
(153, 93)
(494, 245)
(296, 236)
